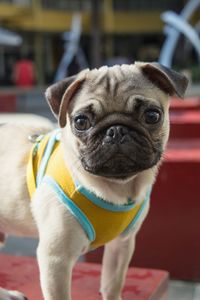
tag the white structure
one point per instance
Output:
(72, 49)
(8, 38)
(177, 24)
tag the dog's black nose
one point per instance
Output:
(115, 134)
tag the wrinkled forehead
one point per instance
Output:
(116, 88)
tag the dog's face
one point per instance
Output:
(117, 118)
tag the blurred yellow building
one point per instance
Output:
(130, 28)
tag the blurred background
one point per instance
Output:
(43, 41)
(102, 32)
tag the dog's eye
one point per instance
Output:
(152, 116)
(82, 123)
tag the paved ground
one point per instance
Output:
(20, 246)
(181, 290)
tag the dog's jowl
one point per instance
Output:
(87, 183)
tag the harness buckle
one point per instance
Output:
(35, 138)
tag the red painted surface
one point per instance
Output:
(7, 103)
(170, 236)
(185, 124)
(192, 103)
(21, 273)
(183, 150)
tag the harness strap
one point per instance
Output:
(72, 207)
(37, 163)
(33, 163)
(46, 156)
(133, 224)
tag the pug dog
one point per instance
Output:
(114, 126)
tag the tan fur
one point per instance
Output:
(62, 240)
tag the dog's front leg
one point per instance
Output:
(117, 255)
(55, 273)
(57, 253)
(61, 241)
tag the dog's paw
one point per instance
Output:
(11, 295)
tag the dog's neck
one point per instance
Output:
(113, 191)
(117, 192)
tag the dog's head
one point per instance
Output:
(116, 119)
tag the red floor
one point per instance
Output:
(21, 273)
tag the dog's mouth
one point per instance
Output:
(119, 166)
(121, 159)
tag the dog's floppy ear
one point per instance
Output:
(59, 95)
(168, 80)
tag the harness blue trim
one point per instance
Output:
(72, 207)
(134, 221)
(102, 203)
(46, 156)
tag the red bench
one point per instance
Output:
(21, 273)
(8, 103)
(185, 118)
(185, 124)
(192, 103)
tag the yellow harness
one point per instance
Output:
(101, 220)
